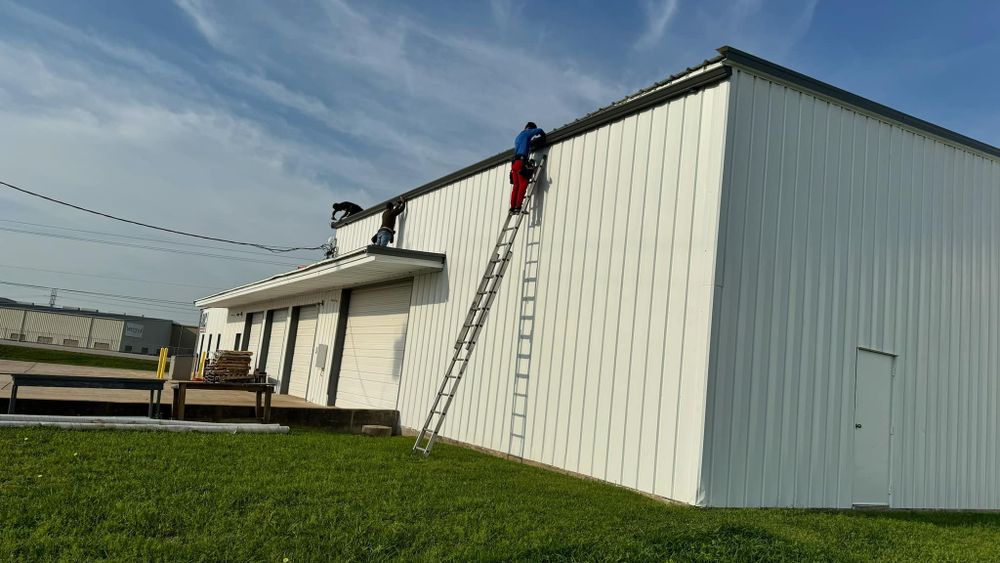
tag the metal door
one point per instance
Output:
(374, 343)
(253, 337)
(275, 344)
(872, 428)
(305, 339)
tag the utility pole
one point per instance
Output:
(52, 298)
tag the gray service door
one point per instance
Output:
(872, 428)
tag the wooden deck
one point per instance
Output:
(194, 396)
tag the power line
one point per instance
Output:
(148, 239)
(158, 310)
(145, 247)
(116, 278)
(142, 299)
(121, 301)
(148, 226)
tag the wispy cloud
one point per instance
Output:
(658, 14)
(197, 10)
(506, 12)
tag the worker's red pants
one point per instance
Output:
(520, 183)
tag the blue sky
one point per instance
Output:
(213, 116)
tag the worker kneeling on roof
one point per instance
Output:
(521, 169)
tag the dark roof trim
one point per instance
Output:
(757, 64)
(602, 117)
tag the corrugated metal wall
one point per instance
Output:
(107, 331)
(232, 322)
(845, 231)
(56, 327)
(603, 319)
(10, 322)
(60, 328)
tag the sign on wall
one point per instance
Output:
(133, 330)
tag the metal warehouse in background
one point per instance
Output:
(738, 287)
(83, 328)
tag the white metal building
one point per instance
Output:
(739, 287)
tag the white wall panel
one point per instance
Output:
(607, 300)
(842, 231)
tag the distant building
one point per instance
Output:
(738, 287)
(85, 328)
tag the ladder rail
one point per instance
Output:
(475, 319)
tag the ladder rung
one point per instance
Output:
(524, 395)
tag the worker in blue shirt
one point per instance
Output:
(521, 170)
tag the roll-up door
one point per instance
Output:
(305, 338)
(373, 347)
(279, 325)
(253, 337)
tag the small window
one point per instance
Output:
(102, 346)
(70, 342)
(128, 348)
(45, 340)
(145, 350)
(236, 345)
(16, 336)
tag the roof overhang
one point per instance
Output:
(372, 264)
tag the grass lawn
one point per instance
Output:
(315, 496)
(23, 354)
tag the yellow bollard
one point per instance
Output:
(161, 366)
(201, 365)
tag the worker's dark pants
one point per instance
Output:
(520, 182)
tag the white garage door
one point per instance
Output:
(373, 347)
(253, 337)
(305, 338)
(279, 325)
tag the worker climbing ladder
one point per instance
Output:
(487, 291)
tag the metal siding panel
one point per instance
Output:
(56, 326)
(846, 231)
(10, 322)
(593, 284)
(107, 331)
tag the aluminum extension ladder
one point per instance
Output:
(489, 286)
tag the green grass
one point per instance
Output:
(24, 354)
(315, 496)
